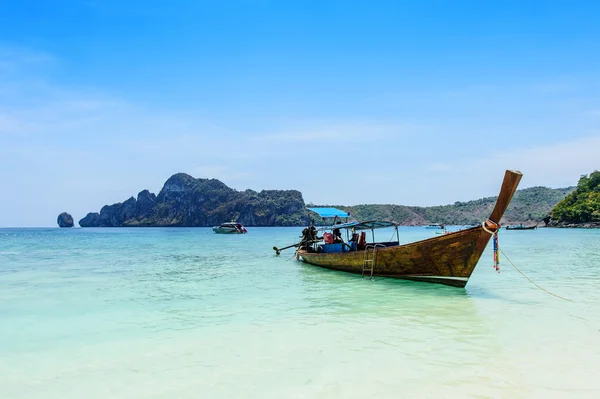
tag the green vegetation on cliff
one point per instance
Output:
(582, 205)
(528, 205)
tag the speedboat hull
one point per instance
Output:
(230, 228)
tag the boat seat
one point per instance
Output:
(337, 247)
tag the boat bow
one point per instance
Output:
(507, 191)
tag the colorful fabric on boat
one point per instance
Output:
(496, 252)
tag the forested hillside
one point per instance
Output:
(582, 206)
(529, 205)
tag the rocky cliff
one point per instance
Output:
(186, 201)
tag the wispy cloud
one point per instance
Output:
(556, 164)
(552, 165)
(593, 113)
(348, 132)
(15, 60)
(440, 166)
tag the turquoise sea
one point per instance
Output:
(185, 313)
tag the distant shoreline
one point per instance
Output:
(576, 226)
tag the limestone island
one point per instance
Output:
(185, 201)
(65, 220)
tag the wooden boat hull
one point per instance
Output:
(449, 259)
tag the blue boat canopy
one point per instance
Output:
(329, 212)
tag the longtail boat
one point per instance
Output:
(521, 227)
(446, 259)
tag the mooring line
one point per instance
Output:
(528, 279)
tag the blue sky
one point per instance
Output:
(416, 103)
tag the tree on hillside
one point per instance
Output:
(583, 204)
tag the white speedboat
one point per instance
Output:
(230, 228)
(435, 226)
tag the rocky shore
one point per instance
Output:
(591, 225)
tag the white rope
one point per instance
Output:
(495, 233)
(489, 231)
(528, 279)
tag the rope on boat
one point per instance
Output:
(295, 254)
(528, 279)
(493, 224)
(493, 230)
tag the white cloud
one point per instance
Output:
(465, 178)
(554, 165)
(17, 60)
(460, 178)
(349, 132)
(8, 124)
(439, 167)
(593, 113)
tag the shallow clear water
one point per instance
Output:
(185, 313)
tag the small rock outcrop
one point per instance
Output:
(65, 220)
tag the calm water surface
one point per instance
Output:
(185, 313)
